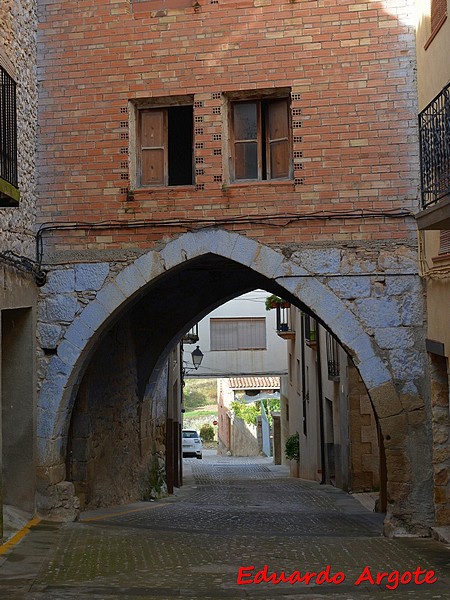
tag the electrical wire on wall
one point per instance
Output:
(273, 220)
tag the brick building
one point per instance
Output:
(190, 152)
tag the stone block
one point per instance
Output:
(57, 369)
(407, 364)
(130, 280)
(443, 515)
(171, 255)
(111, 297)
(44, 421)
(373, 372)
(411, 402)
(49, 395)
(216, 241)
(378, 312)
(350, 287)
(386, 401)
(53, 474)
(321, 261)
(363, 347)
(60, 308)
(244, 251)
(394, 337)
(398, 466)
(267, 261)
(404, 285)
(59, 281)
(412, 311)
(94, 315)
(68, 353)
(442, 477)
(49, 335)
(440, 494)
(90, 276)
(78, 333)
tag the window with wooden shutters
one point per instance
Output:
(438, 10)
(245, 333)
(444, 245)
(260, 134)
(165, 142)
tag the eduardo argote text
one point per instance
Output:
(389, 579)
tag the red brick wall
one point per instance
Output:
(350, 69)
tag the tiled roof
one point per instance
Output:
(254, 383)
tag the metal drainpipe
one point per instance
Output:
(321, 415)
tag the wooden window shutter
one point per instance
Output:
(444, 246)
(277, 144)
(153, 147)
(438, 13)
(246, 145)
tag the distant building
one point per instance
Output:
(239, 339)
(324, 400)
(235, 436)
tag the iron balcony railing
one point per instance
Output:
(8, 129)
(434, 130)
(332, 358)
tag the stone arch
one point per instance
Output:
(355, 322)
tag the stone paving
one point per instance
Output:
(230, 513)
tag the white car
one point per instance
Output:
(192, 444)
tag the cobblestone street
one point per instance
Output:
(230, 513)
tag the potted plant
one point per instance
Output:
(274, 301)
(292, 452)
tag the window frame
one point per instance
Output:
(263, 141)
(164, 108)
(236, 320)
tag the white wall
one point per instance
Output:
(271, 361)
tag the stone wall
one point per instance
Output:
(440, 400)
(244, 440)
(18, 24)
(364, 451)
(18, 293)
(116, 441)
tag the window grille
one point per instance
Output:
(8, 129)
(332, 357)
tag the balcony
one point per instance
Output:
(284, 327)
(434, 132)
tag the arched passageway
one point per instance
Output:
(372, 309)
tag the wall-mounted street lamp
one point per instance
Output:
(197, 357)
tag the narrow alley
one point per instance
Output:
(232, 514)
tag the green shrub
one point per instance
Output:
(292, 448)
(207, 432)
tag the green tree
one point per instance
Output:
(248, 412)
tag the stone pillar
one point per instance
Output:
(276, 438)
(441, 435)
